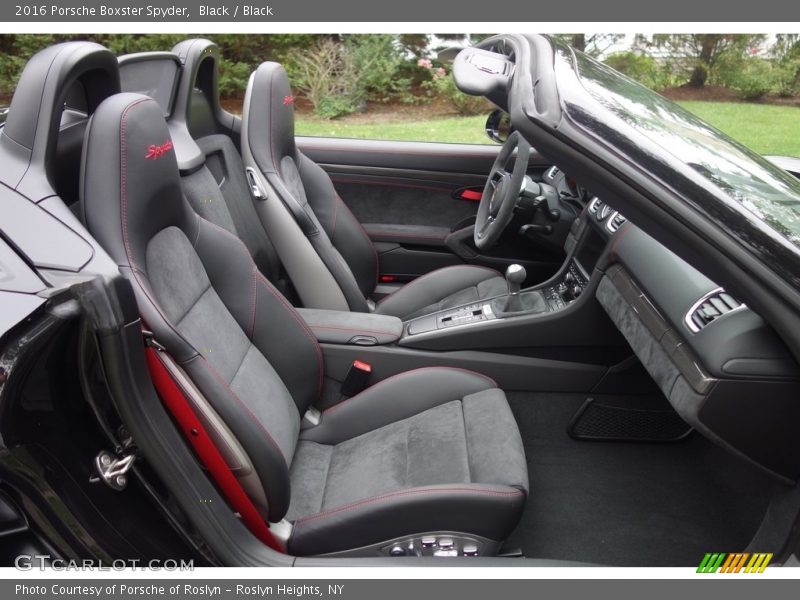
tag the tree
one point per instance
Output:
(594, 44)
(699, 53)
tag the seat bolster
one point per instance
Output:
(490, 511)
(393, 399)
(495, 450)
(433, 287)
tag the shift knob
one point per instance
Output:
(515, 276)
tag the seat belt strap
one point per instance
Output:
(207, 452)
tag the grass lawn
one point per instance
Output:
(464, 130)
(765, 128)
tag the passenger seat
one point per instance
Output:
(430, 454)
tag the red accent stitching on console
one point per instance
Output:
(410, 236)
(355, 330)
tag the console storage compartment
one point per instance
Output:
(352, 328)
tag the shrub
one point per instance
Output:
(644, 69)
(327, 73)
(379, 61)
(750, 76)
(442, 85)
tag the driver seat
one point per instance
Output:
(325, 250)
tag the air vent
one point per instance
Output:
(615, 222)
(710, 308)
(594, 204)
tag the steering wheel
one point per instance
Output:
(501, 192)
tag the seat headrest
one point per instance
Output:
(130, 184)
(269, 116)
(34, 118)
(200, 71)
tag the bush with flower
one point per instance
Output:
(441, 84)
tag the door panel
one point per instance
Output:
(410, 198)
(402, 201)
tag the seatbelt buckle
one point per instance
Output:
(150, 341)
(357, 378)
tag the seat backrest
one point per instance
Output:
(217, 189)
(41, 141)
(218, 192)
(236, 337)
(305, 189)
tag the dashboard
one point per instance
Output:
(721, 366)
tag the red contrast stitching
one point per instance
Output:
(445, 153)
(255, 293)
(359, 503)
(123, 193)
(354, 330)
(271, 289)
(410, 236)
(380, 183)
(335, 214)
(395, 376)
(304, 326)
(434, 272)
(233, 394)
(366, 235)
(123, 180)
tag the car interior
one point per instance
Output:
(402, 349)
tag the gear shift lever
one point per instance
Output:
(515, 276)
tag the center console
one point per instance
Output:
(569, 289)
(554, 297)
(539, 303)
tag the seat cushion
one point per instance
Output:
(442, 289)
(450, 462)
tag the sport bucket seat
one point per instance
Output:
(434, 451)
(328, 255)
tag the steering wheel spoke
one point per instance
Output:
(501, 192)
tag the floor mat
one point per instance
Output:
(630, 504)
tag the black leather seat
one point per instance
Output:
(323, 219)
(430, 450)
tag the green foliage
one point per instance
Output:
(643, 68)
(327, 74)
(380, 62)
(440, 84)
(753, 77)
(698, 56)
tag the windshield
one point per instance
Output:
(749, 180)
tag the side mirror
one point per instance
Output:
(498, 126)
